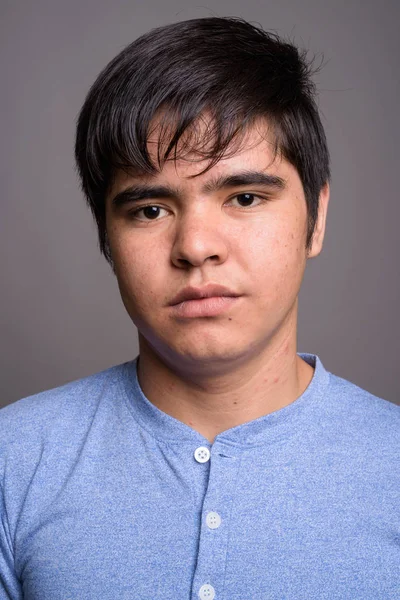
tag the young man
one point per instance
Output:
(221, 463)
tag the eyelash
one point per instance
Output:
(133, 213)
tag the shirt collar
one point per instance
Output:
(264, 430)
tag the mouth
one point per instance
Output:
(207, 301)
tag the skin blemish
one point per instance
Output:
(276, 379)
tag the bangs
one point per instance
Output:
(175, 131)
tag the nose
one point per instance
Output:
(199, 238)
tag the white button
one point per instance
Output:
(213, 520)
(207, 592)
(202, 454)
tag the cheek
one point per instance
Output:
(277, 256)
(138, 272)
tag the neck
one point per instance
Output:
(210, 404)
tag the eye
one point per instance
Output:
(246, 200)
(149, 213)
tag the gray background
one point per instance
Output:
(61, 315)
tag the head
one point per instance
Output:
(199, 99)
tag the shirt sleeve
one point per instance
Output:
(10, 588)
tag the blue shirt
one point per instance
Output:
(104, 496)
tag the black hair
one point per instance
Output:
(223, 66)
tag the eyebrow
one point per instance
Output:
(138, 192)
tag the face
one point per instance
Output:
(209, 268)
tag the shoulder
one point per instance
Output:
(33, 417)
(363, 412)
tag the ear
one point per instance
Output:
(319, 230)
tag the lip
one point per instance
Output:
(208, 291)
(207, 301)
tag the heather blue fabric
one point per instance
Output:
(103, 499)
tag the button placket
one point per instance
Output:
(211, 560)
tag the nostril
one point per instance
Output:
(184, 262)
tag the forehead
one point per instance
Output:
(205, 139)
(191, 163)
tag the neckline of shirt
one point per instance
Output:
(263, 430)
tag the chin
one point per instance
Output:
(214, 357)
(199, 349)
